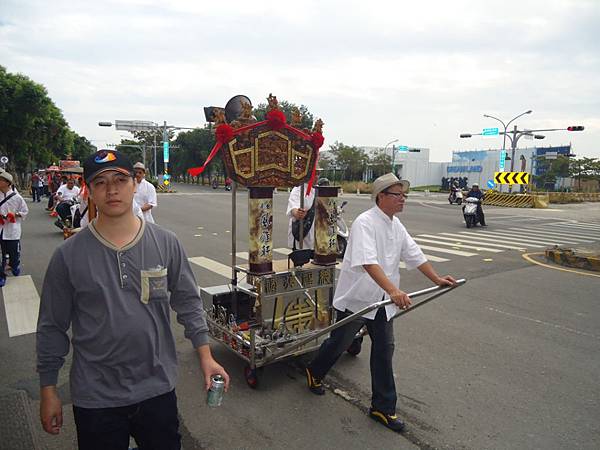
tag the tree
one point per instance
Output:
(193, 149)
(33, 131)
(381, 163)
(287, 107)
(351, 160)
(584, 169)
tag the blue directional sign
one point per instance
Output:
(491, 184)
(403, 148)
(166, 151)
(502, 161)
(490, 132)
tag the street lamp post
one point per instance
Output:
(512, 157)
(393, 154)
(137, 125)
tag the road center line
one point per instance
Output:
(541, 322)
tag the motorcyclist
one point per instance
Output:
(453, 190)
(479, 195)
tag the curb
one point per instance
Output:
(573, 258)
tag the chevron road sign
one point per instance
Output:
(511, 177)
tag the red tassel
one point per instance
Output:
(11, 217)
(276, 119)
(317, 140)
(313, 175)
(1, 220)
(224, 133)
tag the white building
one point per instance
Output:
(412, 165)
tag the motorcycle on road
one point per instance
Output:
(456, 196)
(470, 211)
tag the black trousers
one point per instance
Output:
(11, 251)
(480, 215)
(381, 332)
(153, 424)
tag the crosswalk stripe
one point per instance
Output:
(242, 255)
(435, 258)
(212, 265)
(21, 304)
(516, 238)
(493, 243)
(282, 251)
(576, 233)
(543, 233)
(446, 250)
(455, 244)
(595, 226)
(573, 227)
(495, 239)
(533, 237)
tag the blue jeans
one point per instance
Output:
(381, 332)
(153, 424)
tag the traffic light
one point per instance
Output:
(575, 128)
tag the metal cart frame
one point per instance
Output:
(259, 351)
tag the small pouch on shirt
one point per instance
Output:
(154, 285)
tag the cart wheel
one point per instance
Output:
(355, 347)
(251, 377)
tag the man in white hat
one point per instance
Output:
(13, 210)
(145, 193)
(370, 273)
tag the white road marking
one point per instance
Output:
(541, 234)
(445, 250)
(512, 237)
(573, 227)
(569, 232)
(283, 251)
(212, 265)
(435, 258)
(460, 245)
(242, 255)
(453, 237)
(542, 231)
(541, 322)
(495, 239)
(21, 304)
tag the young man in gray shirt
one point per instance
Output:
(112, 284)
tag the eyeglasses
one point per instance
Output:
(396, 194)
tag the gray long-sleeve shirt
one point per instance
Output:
(116, 302)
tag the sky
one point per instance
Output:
(419, 72)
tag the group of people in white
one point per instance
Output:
(68, 199)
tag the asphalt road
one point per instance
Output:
(508, 361)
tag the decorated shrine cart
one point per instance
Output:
(273, 310)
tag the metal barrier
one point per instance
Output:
(509, 200)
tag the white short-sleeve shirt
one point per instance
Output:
(374, 239)
(294, 202)
(66, 194)
(145, 193)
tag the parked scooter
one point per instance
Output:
(342, 231)
(470, 211)
(456, 196)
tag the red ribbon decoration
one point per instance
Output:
(11, 217)
(276, 121)
(1, 220)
